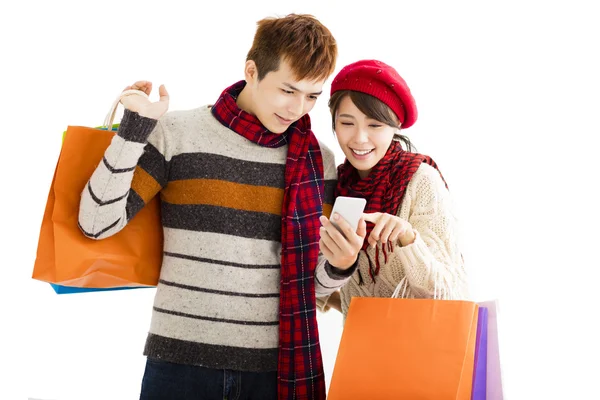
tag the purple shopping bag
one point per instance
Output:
(494, 387)
(480, 367)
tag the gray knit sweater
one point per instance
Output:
(217, 301)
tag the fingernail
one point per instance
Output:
(322, 219)
(336, 216)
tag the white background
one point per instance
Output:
(508, 97)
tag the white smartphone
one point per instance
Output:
(349, 208)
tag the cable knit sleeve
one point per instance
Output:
(432, 264)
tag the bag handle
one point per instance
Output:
(403, 285)
(110, 117)
(438, 293)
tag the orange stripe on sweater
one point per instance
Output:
(224, 194)
(144, 184)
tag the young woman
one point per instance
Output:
(411, 240)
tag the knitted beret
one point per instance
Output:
(381, 81)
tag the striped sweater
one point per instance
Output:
(217, 300)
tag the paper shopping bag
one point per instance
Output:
(74, 263)
(406, 349)
(494, 389)
(480, 368)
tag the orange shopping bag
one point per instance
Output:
(406, 349)
(65, 257)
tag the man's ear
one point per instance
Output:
(250, 71)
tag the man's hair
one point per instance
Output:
(301, 40)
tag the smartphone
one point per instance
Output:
(349, 208)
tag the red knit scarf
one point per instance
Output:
(300, 368)
(383, 189)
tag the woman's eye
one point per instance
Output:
(287, 91)
(346, 123)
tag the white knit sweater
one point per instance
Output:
(430, 267)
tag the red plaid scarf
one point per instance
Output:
(383, 188)
(300, 369)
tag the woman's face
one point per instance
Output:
(363, 140)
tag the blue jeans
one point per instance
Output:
(169, 381)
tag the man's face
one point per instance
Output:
(278, 100)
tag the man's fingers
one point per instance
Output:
(343, 225)
(328, 240)
(325, 250)
(362, 228)
(162, 92)
(144, 86)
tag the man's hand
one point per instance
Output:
(144, 106)
(341, 248)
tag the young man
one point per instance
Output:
(243, 183)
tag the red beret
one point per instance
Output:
(381, 81)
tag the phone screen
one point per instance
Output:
(349, 208)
